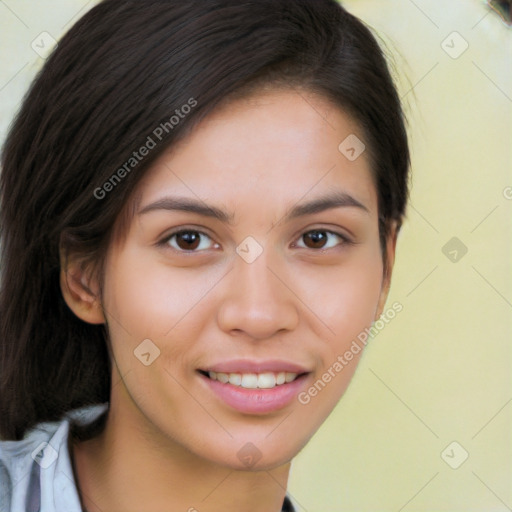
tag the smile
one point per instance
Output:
(266, 380)
(255, 387)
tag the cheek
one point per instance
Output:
(148, 298)
(344, 297)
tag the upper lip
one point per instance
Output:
(246, 366)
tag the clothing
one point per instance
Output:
(36, 473)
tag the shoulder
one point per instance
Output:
(16, 462)
(35, 465)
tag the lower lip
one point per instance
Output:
(256, 401)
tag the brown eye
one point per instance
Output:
(321, 239)
(315, 239)
(188, 240)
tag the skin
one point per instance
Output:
(169, 442)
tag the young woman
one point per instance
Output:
(199, 209)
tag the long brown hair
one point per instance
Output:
(122, 71)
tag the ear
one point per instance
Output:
(80, 291)
(387, 271)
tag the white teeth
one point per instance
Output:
(249, 380)
(223, 377)
(281, 378)
(235, 379)
(265, 380)
(290, 376)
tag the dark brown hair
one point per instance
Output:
(123, 70)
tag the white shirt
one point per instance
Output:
(36, 474)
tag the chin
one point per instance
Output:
(256, 455)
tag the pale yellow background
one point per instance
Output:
(441, 370)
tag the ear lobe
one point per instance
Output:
(81, 294)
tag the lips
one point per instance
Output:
(242, 366)
(255, 387)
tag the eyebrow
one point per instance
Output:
(327, 202)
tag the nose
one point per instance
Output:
(257, 300)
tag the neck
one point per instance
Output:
(122, 470)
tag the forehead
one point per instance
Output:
(270, 149)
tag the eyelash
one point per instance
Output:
(165, 241)
(344, 239)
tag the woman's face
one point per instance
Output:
(276, 271)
